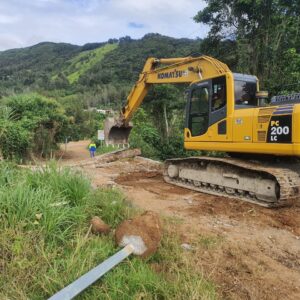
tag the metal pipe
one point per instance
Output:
(174, 60)
(80, 284)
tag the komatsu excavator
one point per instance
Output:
(225, 112)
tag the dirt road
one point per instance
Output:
(250, 252)
(74, 152)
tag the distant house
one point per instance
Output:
(100, 111)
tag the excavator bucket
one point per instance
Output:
(115, 133)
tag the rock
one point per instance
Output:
(189, 200)
(38, 216)
(99, 227)
(110, 184)
(186, 246)
(143, 232)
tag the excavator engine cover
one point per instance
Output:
(115, 133)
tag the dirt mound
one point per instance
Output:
(131, 178)
(151, 181)
(143, 231)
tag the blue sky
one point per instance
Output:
(27, 22)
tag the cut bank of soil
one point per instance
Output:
(147, 227)
(250, 252)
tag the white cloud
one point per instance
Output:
(6, 41)
(7, 19)
(83, 21)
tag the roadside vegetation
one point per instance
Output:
(32, 126)
(45, 245)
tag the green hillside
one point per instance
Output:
(100, 68)
(32, 66)
(77, 77)
(84, 61)
(124, 64)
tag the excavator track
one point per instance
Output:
(265, 185)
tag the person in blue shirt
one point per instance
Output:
(92, 149)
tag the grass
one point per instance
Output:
(44, 220)
(105, 149)
(209, 241)
(102, 149)
(85, 60)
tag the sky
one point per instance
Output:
(27, 22)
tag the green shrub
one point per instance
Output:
(144, 135)
(35, 124)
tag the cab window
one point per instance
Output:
(245, 93)
(199, 101)
(218, 93)
(198, 114)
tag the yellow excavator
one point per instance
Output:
(225, 112)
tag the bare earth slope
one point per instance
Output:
(250, 252)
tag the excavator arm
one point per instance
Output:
(160, 71)
(170, 70)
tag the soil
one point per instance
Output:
(250, 252)
(147, 227)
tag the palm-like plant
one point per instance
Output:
(7, 115)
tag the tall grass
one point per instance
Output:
(44, 220)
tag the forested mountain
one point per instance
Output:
(126, 62)
(103, 69)
(20, 68)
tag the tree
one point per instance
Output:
(264, 32)
(166, 103)
(144, 135)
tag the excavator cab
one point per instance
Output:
(207, 105)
